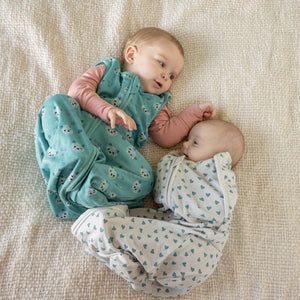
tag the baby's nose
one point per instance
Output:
(183, 148)
(184, 145)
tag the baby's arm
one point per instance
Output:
(167, 131)
(84, 88)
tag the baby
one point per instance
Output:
(87, 142)
(169, 252)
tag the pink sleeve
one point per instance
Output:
(167, 131)
(84, 88)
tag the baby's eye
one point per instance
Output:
(161, 64)
(171, 76)
(195, 143)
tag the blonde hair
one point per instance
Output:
(232, 139)
(147, 34)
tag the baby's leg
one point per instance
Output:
(108, 185)
(156, 257)
(64, 151)
(89, 229)
(189, 265)
(107, 234)
(81, 163)
(125, 177)
(130, 246)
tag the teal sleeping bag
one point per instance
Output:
(84, 162)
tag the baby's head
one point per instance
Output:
(156, 57)
(211, 137)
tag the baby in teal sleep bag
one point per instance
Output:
(87, 142)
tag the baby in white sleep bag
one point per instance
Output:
(173, 250)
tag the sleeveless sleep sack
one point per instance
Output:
(84, 162)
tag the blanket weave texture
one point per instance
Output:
(243, 56)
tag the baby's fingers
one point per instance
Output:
(128, 121)
(210, 114)
(208, 110)
(131, 124)
(113, 121)
(112, 114)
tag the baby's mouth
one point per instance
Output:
(183, 154)
(158, 84)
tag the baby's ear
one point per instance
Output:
(129, 54)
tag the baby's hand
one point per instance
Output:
(118, 116)
(208, 110)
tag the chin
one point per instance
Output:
(152, 92)
(157, 93)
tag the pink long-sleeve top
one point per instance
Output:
(165, 130)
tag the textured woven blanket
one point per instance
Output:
(241, 55)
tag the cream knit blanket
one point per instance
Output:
(241, 55)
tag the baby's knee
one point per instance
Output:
(144, 181)
(60, 101)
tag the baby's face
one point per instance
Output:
(203, 142)
(157, 64)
